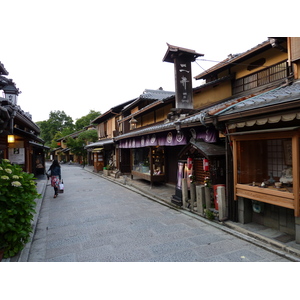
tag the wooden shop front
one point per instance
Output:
(266, 166)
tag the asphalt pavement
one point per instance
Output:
(98, 219)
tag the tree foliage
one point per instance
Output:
(58, 121)
(86, 120)
(60, 124)
(77, 144)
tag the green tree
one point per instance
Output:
(77, 144)
(57, 136)
(58, 121)
(86, 120)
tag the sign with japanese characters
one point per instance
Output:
(183, 82)
(16, 155)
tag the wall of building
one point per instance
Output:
(271, 216)
(159, 115)
(110, 127)
(272, 57)
(212, 94)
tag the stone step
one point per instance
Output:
(114, 173)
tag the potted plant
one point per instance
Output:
(192, 178)
(106, 170)
(17, 207)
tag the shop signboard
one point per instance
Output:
(16, 155)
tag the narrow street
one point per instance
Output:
(96, 220)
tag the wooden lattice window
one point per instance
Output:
(295, 48)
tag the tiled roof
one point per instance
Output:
(233, 58)
(156, 94)
(3, 71)
(175, 50)
(150, 129)
(280, 95)
(100, 143)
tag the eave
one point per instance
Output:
(27, 135)
(111, 112)
(226, 63)
(175, 51)
(274, 109)
(147, 108)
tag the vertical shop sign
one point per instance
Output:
(182, 58)
(183, 83)
(180, 175)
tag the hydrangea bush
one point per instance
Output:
(17, 207)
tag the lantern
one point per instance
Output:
(189, 163)
(205, 164)
(10, 138)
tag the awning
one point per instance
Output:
(95, 150)
(170, 138)
(39, 145)
(208, 149)
(263, 121)
(100, 143)
(264, 131)
(28, 135)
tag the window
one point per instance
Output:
(141, 161)
(262, 161)
(276, 157)
(266, 167)
(271, 74)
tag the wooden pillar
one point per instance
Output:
(235, 157)
(295, 161)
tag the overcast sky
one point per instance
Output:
(81, 55)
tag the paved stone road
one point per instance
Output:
(96, 220)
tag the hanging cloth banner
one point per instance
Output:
(171, 138)
(208, 135)
(168, 138)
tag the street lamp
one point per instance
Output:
(11, 92)
(133, 123)
(178, 126)
(10, 138)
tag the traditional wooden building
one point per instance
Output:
(104, 153)
(158, 129)
(142, 143)
(63, 153)
(19, 141)
(258, 112)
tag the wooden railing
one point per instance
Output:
(266, 76)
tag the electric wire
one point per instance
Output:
(232, 63)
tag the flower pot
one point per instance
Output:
(106, 172)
